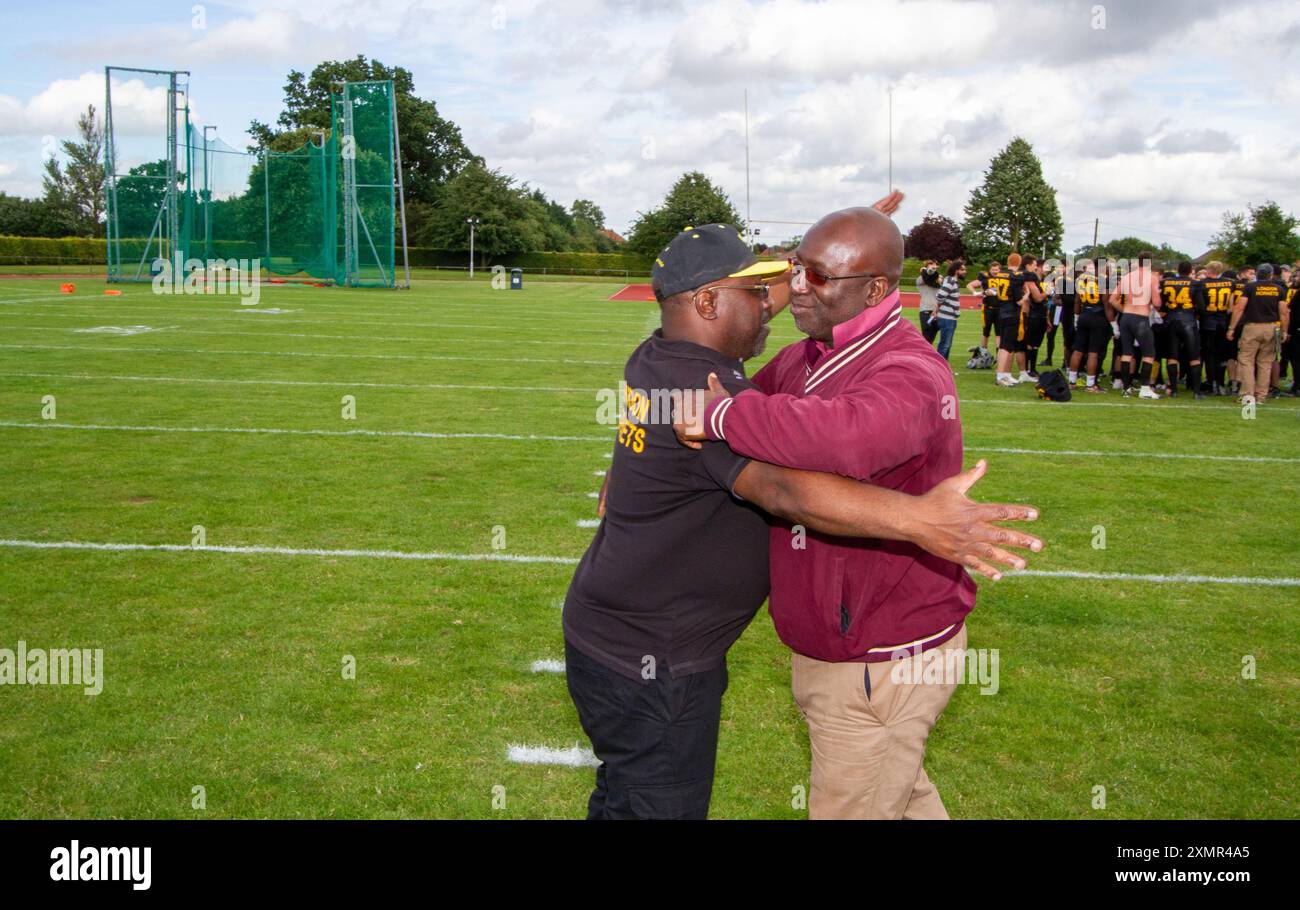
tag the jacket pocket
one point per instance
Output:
(833, 600)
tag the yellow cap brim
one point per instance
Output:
(762, 268)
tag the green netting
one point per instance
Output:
(300, 201)
(326, 210)
(227, 217)
(141, 168)
(362, 117)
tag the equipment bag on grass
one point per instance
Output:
(1053, 386)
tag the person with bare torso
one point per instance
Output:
(1133, 298)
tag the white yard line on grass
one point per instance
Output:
(280, 431)
(573, 757)
(56, 298)
(1158, 579)
(548, 666)
(142, 350)
(417, 434)
(504, 388)
(569, 561)
(523, 321)
(1208, 406)
(225, 302)
(1181, 456)
(285, 551)
(303, 382)
(450, 339)
(589, 522)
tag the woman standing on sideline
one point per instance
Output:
(927, 284)
(948, 306)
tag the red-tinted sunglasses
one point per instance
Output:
(815, 278)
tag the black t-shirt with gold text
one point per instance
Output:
(1182, 296)
(1218, 296)
(1263, 299)
(678, 566)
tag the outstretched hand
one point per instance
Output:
(956, 528)
(890, 203)
(688, 422)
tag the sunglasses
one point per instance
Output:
(815, 278)
(762, 289)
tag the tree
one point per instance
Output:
(1014, 209)
(586, 210)
(936, 237)
(589, 227)
(693, 200)
(74, 194)
(1130, 247)
(1268, 237)
(21, 217)
(508, 218)
(433, 150)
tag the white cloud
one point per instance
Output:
(1156, 123)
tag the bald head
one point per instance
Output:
(859, 240)
(851, 260)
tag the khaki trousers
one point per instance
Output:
(867, 751)
(1256, 351)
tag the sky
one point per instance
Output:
(1154, 117)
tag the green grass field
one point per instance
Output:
(224, 670)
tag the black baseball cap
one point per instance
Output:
(711, 252)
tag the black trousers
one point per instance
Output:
(1214, 348)
(657, 741)
(929, 330)
(1184, 339)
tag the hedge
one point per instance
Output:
(52, 250)
(556, 261)
(94, 251)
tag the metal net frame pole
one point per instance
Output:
(401, 187)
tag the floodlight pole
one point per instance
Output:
(748, 224)
(401, 185)
(891, 139)
(207, 197)
(110, 179)
(471, 222)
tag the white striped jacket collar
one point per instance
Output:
(837, 360)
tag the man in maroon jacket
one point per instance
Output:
(866, 397)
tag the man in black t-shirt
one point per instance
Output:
(1060, 316)
(987, 285)
(678, 565)
(1092, 329)
(1033, 304)
(1219, 292)
(1257, 314)
(1183, 301)
(1011, 326)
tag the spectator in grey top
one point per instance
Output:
(927, 283)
